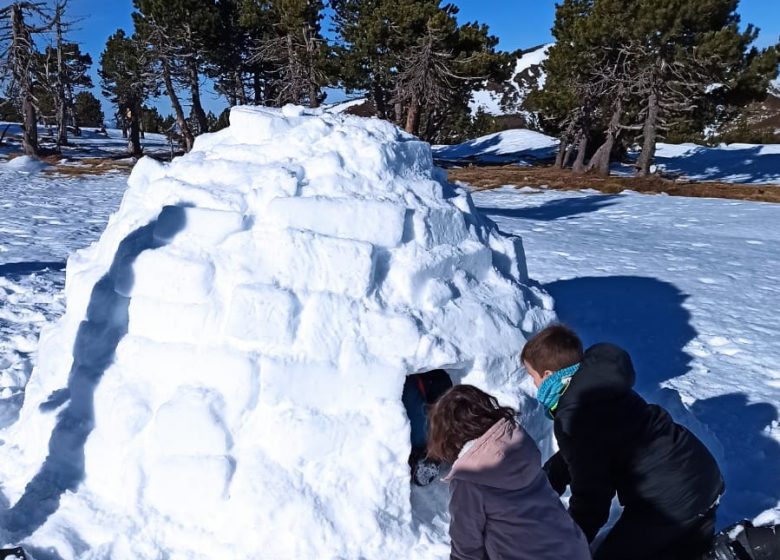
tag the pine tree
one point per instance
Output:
(181, 31)
(124, 77)
(295, 48)
(17, 32)
(416, 62)
(87, 110)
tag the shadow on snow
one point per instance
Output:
(94, 350)
(647, 317)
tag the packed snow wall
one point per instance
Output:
(226, 381)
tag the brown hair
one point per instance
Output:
(462, 414)
(552, 348)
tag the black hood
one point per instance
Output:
(605, 373)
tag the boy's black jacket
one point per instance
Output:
(611, 441)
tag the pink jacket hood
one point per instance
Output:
(504, 457)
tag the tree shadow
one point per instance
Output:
(752, 457)
(643, 315)
(556, 209)
(647, 317)
(24, 268)
(93, 352)
(748, 164)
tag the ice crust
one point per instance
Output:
(227, 377)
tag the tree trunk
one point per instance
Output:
(134, 140)
(582, 148)
(379, 100)
(649, 133)
(314, 95)
(257, 88)
(30, 137)
(413, 117)
(240, 92)
(197, 108)
(22, 50)
(181, 120)
(62, 102)
(603, 156)
(560, 156)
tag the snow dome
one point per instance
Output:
(226, 381)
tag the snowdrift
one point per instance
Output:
(226, 381)
(509, 146)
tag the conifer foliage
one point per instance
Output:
(630, 72)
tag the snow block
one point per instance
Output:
(163, 275)
(308, 384)
(506, 250)
(375, 222)
(306, 262)
(326, 322)
(160, 367)
(412, 270)
(189, 424)
(262, 314)
(188, 486)
(196, 226)
(440, 226)
(172, 322)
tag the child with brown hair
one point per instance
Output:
(613, 442)
(501, 504)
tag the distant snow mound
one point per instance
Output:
(508, 146)
(23, 164)
(226, 382)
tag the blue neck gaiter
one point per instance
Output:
(553, 386)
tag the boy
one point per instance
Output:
(421, 390)
(611, 441)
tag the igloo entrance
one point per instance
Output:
(252, 407)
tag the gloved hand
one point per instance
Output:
(557, 473)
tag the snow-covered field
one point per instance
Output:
(690, 287)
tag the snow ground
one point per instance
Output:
(691, 287)
(91, 143)
(42, 220)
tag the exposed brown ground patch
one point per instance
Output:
(87, 166)
(537, 176)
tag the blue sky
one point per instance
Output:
(518, 24)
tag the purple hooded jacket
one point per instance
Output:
(502, 506)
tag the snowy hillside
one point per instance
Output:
(508, 98)
(510, 146)
(243, 328)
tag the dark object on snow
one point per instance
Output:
(611, 441)
(421, 390)
(14, 553)
(743, 541)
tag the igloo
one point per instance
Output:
(226, 381)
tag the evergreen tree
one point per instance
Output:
(124, 78)
(645, 66)
(180, 32)
(294, 48)
(415, 61)
(87, 110)
(19, 55)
